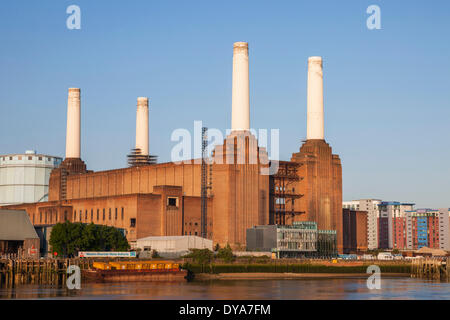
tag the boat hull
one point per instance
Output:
(94, 275)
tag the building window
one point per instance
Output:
(103, 214)
(122, 213)
(81, 215)
(92, 214)
(30, 158)
(115, 214)
(40, 217)
(109, 213)
(98, 214)
(65, 215)
(132, 222)
(85, 215)
(172, 201)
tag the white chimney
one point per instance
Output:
(315, 99)
(142, 125)
(240, 117)
(73, 133)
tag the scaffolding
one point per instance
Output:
(205, 185)
(136, 158)
(283, 193)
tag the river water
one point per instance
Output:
(302, 289)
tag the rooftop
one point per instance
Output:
(15, 225)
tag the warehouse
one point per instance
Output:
(17, 235)
(173, 246)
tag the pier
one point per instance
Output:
(43, 271)
(431, 268)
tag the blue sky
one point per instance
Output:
(387, 92)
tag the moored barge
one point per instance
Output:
(130, 271)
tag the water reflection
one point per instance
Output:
(302, 289)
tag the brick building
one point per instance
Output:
(149, 199)
(354, 229)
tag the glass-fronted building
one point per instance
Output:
(302, 239)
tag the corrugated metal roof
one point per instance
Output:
(16, 225)
(434, 252)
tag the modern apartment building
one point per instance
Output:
(354, 230)
(428, 228)
(371, 207)
(392, 224)
(444, 229)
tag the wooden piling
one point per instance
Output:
(50, 271)
(431, 268)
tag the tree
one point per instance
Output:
(201, 256)
(155, 254)
(226, 254)
(67, 238)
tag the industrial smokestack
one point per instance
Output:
(315, 99)
(142, 125)
(240, 118)
(73, 133)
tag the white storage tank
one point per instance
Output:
(24, 178)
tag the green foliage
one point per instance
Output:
(200, 256)
(155, 254)
(226, 254)
(68, 238)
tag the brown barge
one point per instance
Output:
(136, 271)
